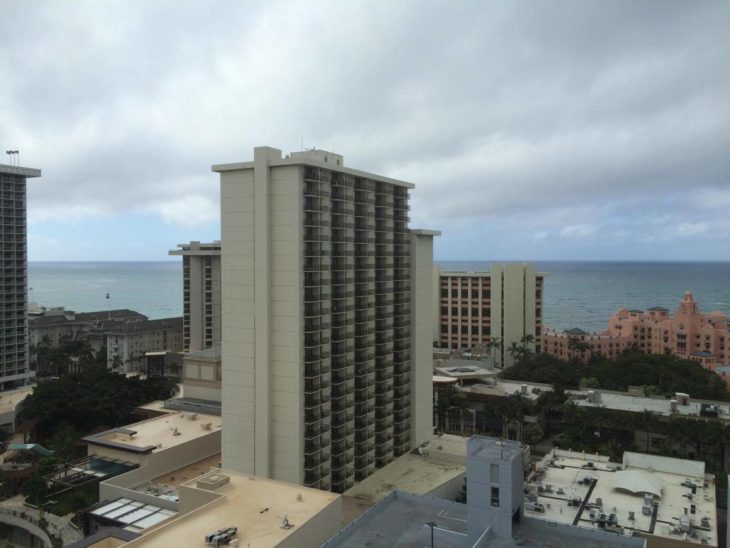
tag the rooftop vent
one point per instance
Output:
(214, 481)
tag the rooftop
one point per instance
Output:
(623, 401)
(400, 519)
(71, 317)
(530, 391)
(17, 170)
(150, 325)
(310, 157)
(256, 506)
(410, 473)
(197, 248)
(575, 488)
(466, 369)
(480, 446)
(157, 434)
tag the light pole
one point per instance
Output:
(432, 524)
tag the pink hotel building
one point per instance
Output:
(690, 334)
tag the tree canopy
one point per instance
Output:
(85, 401)
(665, 374)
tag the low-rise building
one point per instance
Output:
(495, 513)
(258, 512)
(128, 343)
(690, 334)
(56, 326)
(11, 403)
(667, 501)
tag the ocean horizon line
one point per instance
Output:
(636, 261)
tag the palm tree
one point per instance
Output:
(515, 351)
(495, 343)
(527, 350)
(578, 347)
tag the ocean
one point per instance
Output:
(577, 294)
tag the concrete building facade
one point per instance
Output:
(321, 341)
(690, 334)
(128, 343)
(14, 369)
(201, 294)
(503, 304)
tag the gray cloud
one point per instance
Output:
(560, 120)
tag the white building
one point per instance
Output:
(128, 343)
(326, 300)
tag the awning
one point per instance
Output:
(638, 481)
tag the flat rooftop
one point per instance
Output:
(313, 158)
(622, 401)
(400, 520)
(256, 506)
(570, 478)
(18, 170)
(409, 473)
(466, 369)
(527, 390)
(158, 433)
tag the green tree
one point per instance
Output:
(35, 490)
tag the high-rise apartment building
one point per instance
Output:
(14, 369)
(326, 360)
(201, 294)
(504, 304)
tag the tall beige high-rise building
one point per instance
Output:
(504, 304)
(14, 369)
(326, 359)
(201, 294)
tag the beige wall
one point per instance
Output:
(512, 304)
(423, 293)
(237, 309)
(286, 278)
(262, 279)
(154, 465)
(317, 530)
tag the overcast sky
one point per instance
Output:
(532, 130)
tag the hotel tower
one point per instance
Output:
(14, 370)
(326, 319)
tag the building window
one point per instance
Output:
(495, 497)
(494, 473)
